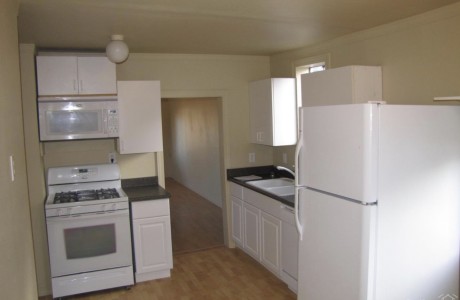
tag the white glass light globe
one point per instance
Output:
(117, 51)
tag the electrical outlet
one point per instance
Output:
(284, 158)
(252, 157)
(112, 158)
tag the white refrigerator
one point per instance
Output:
(378, 202)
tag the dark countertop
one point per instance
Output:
(142, 189)
(265, 172)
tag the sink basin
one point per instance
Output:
(271, 183)
(281, 190)
(276, 186)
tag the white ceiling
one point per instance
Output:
(253, 27)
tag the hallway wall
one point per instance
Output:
(192, 145)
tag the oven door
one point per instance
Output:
(89, 242)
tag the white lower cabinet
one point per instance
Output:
(251, 221)
(265, 229)
(289, 248)
(152, 239)
(237, 221)
(270, 242)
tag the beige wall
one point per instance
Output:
(192, 134)
(35, 167)
(185, 76)
(420, 58)
(219, 76)
(181, 76)
(17, 265)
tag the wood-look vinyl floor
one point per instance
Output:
(214, 273)
(196, 223)
(218, 273)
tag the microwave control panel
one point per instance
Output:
(112, 122)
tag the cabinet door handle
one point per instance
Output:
(81, 85)
(75, 85)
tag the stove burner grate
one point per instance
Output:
(85, 195)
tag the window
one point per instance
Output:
(309, 65)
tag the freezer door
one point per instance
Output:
(339, 150)
(336, 255)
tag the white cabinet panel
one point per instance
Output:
(75, 75)
(251, 217)
(345, 85)
(273, 111)
(57, 75)
(140, 127)
(96, 75)
(270, 242)
(152, 239)
(237, 221)
(265, 229)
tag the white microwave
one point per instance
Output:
(75, 118)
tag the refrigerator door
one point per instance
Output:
(339, 150)
(419, 203)
(336, 256)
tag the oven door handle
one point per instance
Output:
(83, 216)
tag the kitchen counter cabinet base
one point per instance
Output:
(152, 239)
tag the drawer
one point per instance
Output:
(236, 190)
(150, 208)
(263, 202)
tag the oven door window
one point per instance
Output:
(90, 241)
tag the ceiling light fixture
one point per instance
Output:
(117, 51)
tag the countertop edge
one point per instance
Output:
(144, 189)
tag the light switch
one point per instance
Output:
(12, 171)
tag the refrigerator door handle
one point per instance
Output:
(298, 224)
(298, 148)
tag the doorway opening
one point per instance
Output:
(192, 136)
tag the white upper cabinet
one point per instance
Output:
(345, 85)
(75, 75)
(273, 111)
(139, 109)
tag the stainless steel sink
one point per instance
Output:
(276, 186)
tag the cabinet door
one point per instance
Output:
(273, 111)
(152, 244)
(57, 75)
(345, 85)
(260, 100)
(270, 242)
(251, 220)
(290, 250)
(96, 75)
(139, 105)
(237, 221)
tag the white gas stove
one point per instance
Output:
(88, 225)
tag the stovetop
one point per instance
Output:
(85, 195)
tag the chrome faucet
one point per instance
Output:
(281, 168)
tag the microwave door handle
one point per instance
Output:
(105, 120)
